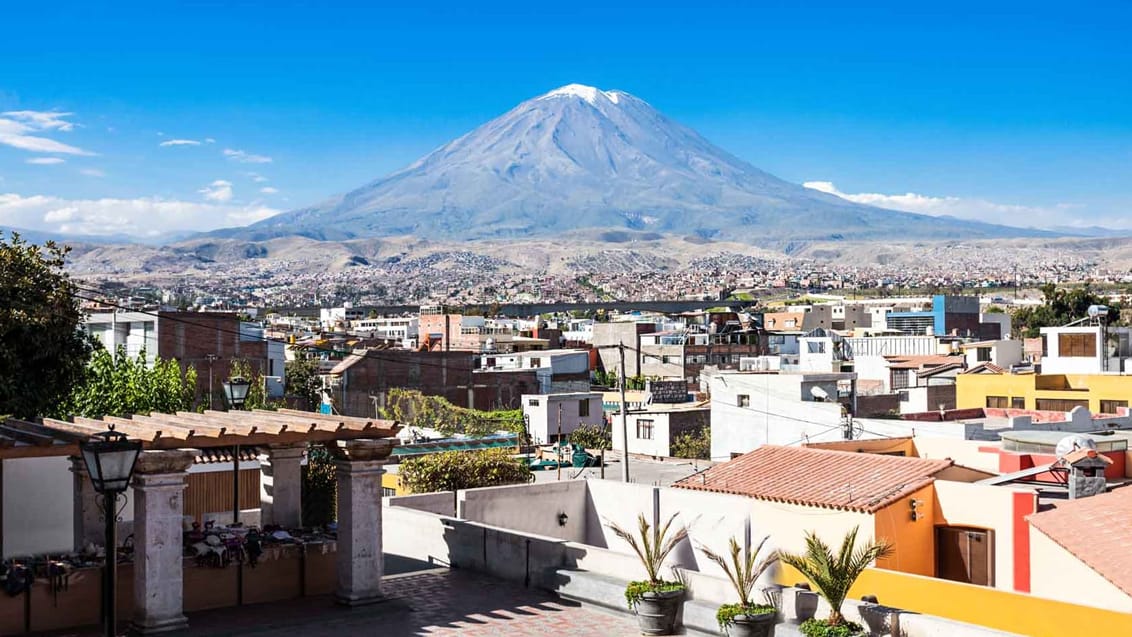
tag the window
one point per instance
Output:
(1018, 402)
(532, 402)
(536, 362)
(997, 402)
(982, 354)
(644, 429)
(386, 492)
(743, 400)
(1112, 406)
(1045, 346)
(1077, 345)
(1059, 404)
(583, 408)
(670, 360)
(899, 379)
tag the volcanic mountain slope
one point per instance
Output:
(582, 158)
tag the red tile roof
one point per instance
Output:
(1096, 531)
(920, 362)
(819, 477)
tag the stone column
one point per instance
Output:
(159, 504)
(281, 486)
(359, 466)
(88, 525)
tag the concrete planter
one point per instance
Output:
(656, 612)
(752, 625)
(805, 604)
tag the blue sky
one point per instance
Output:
(1017, 114)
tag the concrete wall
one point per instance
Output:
(1058, 574)
(544, 415)
(984, 507)
(38, 501)
(530, 508)
(965, 452)
(440, 502)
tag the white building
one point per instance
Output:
(399, 328)
(542, 413)
(1003, 353)
(749, 410)
(559, 370)
(1086, 349)
(652, 429)
(332, 317)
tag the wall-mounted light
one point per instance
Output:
(915, 506)
(562, 519)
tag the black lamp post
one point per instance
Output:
(110, 458)
(236, 391)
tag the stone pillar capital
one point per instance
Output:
(364, 450)
(165, 462)
(293, 450)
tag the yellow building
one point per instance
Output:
(1099, 393)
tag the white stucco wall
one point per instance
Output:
(544, 415)
(532, 508)
(986, 507)
(658, 445)
(38, 500)
(1057, 574)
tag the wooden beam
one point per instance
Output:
(38, 439)
(38, 428)
(122, 425)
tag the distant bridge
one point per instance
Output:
(532, 309)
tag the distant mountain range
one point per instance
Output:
(579, 158)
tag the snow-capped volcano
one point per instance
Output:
(579, 157)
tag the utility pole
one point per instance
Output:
(558, 443)
(624, 420)
(211, 359)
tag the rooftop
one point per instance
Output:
(1096, 531)
(834, 479)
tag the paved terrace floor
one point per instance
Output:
(432, 602)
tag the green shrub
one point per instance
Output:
(453, 470)
(636, 591)
(591, 437)
(822, 628)
(728, 612)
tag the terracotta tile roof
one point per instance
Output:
(986, 368)
(819, 477)
(918, 362)
(1096, 531)
(224, 454)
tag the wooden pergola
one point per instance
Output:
(51, 437)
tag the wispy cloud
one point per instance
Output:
(258, 178)
(960, 207)
(180, 142)
(218, 190)
(45, 161)
(268, 190)
(24, 130)
(92, 172)
(123, 216)
(245, 157)
(209, 140)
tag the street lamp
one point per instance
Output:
(236, 391)
(110, 458)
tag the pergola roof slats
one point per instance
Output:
(186, 429)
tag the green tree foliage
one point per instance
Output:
(1059, 306)
(320, 488)
(693, 444)
(42, 351)
(453, 470)
(301, 379)
(414, 409)
(257, 393)
(592, 437)
(833, 574)
(613, 379)
(117, 385)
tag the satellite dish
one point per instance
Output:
(1098, 310)
(819, 394)
(1069, 444)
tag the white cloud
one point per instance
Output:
(209, 140)
(180, 142)
(143, 216)
(92, 172)
(246, 157)
(218, 190)
(960, 207)
(268, 190)
(258, 178)
(45, 161)
(19, 129)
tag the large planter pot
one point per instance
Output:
(752, 625)
(656, 612)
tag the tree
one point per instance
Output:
(694, 444)
(592, 437)
(1060, 306)
(834, 574)
(117, 385)
(652, 544)
(743, 571)
(320, 488)
(42, 350)
(301, 379)
(257, 393)
(452, 470)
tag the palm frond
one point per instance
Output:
(651, 544)
(834, 574)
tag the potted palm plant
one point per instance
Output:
(743, 569)
(655, 600)
(833, 574)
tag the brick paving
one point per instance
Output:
(435, 602)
